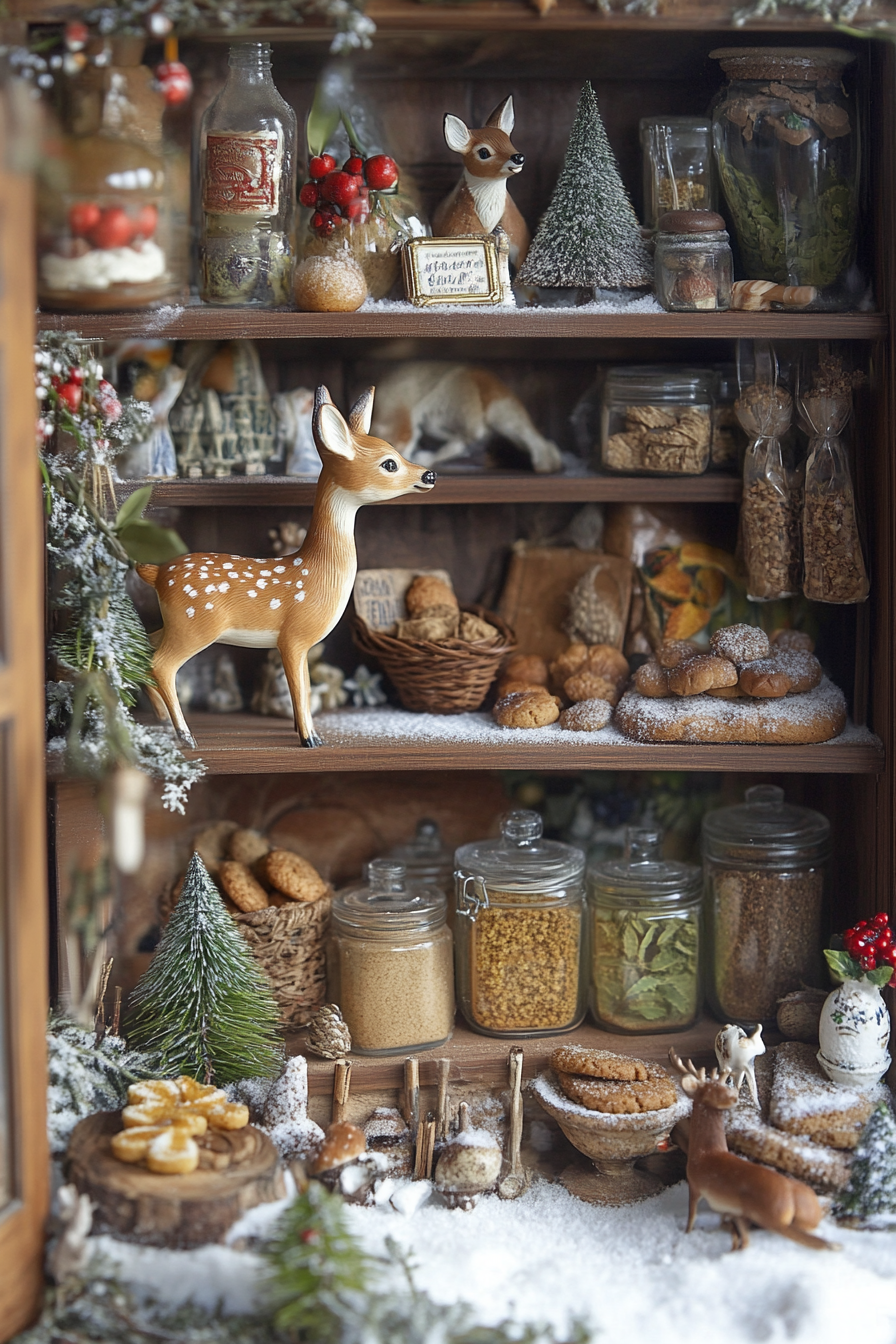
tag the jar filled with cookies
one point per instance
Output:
(656, 420)
(764, 870)
(772, 496)
(519, 932)
(389, 963)
(644, 915)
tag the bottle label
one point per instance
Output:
(242, 175)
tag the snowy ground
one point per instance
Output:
(630, 1274)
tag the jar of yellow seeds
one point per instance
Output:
(518, 932)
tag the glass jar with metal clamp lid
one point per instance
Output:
(519, 930)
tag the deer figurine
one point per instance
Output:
(480, 202)
(741, 1191)
(736, 1053)
(292, 602)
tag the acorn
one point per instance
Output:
(799, 1013)
(469, 1165)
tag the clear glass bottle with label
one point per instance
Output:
(247, 174)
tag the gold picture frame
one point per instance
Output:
(468, 270)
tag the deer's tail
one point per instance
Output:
(148, 573)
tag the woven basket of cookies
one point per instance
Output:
(441, 657)
(281, 905)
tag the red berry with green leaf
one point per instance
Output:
(320, 165)
(867, 951)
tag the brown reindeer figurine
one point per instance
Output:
(480, 201)
(290, 602)
(742, 1192)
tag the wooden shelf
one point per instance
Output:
(483, 1059)
(251, 744)
(197, 322)
(488, 488)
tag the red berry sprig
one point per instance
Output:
(341, 195)
(870, 943)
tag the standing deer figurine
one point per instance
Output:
(289, 603)
(480, 201)
(736, 1053)
(741, 1191)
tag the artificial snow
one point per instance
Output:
(629, 1274)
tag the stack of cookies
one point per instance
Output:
(249, 873)
(746, 688)
(615, 1084)
(587, 679)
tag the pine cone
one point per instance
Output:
(328, 1036)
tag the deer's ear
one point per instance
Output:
(689, 1085)
(331, 433)
(361, 414)
(502, 116)
(457, 136)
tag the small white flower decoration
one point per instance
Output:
(365, 687)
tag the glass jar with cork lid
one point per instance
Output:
(763, 863)
(692, 259)
(389, 963)
(519, 932)
(644, 915)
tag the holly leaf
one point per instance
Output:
(148, 544)
(842, 966)
(133, 507)
(880, 976)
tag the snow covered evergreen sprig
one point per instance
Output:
(84, 1077)
(870, 1195)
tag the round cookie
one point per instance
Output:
(740, 643)
(607, 661)
(673, 652)
(802, 667)
(512, 687)
(652, 680)
(527, 709)
(428, 591)
(703, 673)
(242, 888)
(569, 662)
(247, 846)
(588, 716)
(211, 843)
(294, 876)
(330, 284)
(598, 1094)
(605, 1064)
(587, 685)
(766, 679)
(797, 640)
(528, 667)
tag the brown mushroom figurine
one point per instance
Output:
(469, 1165)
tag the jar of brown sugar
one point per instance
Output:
(763, 864)
(389, 963)
(519, 930)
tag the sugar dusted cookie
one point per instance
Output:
(588, 716)
(740, 643)
(527, 709)
(605, 1064)
(618, 1098)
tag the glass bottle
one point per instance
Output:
(105, 203)
(518, 931)
(763, 863)
(389, 963)
(645, 938)
(656, 420)
(247, 167)
(678, 166)
(692, 262)
(786, 138)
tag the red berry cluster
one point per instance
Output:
(338, 195)
(871, 943)
(70, 392)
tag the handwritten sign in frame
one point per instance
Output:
(453, 270)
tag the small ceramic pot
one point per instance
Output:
(853, 1032)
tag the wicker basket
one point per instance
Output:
(446, 678)
(288, 942)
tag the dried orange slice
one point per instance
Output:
(172, 1153)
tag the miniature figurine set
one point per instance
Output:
(784, 126)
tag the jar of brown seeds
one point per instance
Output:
(763, 864)
(518, 930)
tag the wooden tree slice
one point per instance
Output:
(174, 1211)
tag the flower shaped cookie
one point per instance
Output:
(163, 1119)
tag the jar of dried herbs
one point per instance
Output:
(763, 863)
(518, 932)
(644, 918)
(771, 504)
(833, 565)
(389, 963)
(786, 144)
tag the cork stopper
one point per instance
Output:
(690, 221)
(815, 65)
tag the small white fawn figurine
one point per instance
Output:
(741, 1191)
(480, 201)
(289, 603)
(736, 1053)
